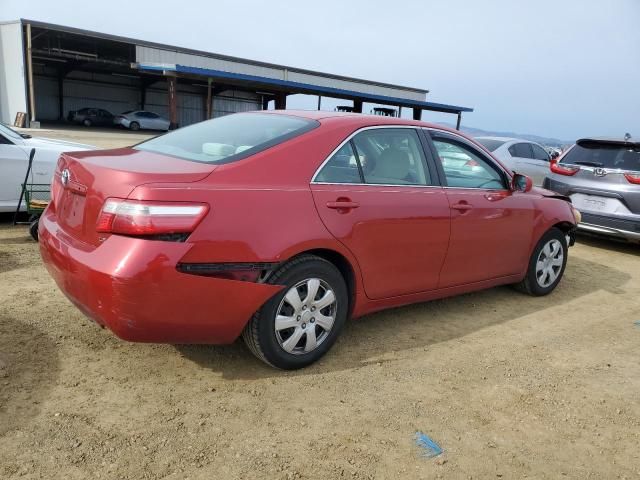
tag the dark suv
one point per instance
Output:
(602, 177)
(91, 116)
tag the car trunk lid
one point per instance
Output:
(84, 180)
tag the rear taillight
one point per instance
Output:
(561, 169)
(633, 178)
(133, 217)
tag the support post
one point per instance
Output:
(32, 98)
(400, 111)
(281, 101)
(209, 99)
(417, 113)
(173, 103)
(143, 94)
(265, 102)
(459, 120)
(319, 102)
(357, 106)
(61, 76)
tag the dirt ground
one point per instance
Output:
(508, 385)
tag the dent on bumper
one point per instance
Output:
(132, 287)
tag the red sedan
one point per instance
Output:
(280, 225)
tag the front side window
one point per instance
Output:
(539, 153)
(465, 167)
(229, 138)
(521, 150)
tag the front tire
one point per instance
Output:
(546, 265)
(86, 122)
(300, 324)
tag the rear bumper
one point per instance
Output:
(611, 226)
(132, 287)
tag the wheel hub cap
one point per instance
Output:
(549, 263)
(305, 316)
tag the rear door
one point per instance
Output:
(378, 195)
(491, 226)
(522, 154)
(538, 166)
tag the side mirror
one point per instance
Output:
(521, 183)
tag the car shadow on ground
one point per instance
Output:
(371, 338)
(608, 243)
(25, 378)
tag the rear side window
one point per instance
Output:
(490, 144)
(229, 138)
(539, 153)
(343, 167)
(594, 154)
(380, 156)
(391, 156)
(521, 150)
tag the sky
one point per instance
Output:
(556, 68)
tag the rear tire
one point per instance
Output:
(87, 122)
(300, 324)
(135, 126)
(33, 228)
(546, 265)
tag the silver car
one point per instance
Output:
(522, 156)
(141, 119)
(602, 178)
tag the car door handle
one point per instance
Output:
(461, 206)
(342, 205)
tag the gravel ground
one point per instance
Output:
(508, 385)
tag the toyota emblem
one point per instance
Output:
(65, 176)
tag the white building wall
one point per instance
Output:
(13, 95)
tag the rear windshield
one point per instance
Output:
(229, 138)
(490, 144)
(605, 156)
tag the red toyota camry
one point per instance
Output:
(278, 226)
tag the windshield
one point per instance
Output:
(8, 132)
(229, 138)
(594, 154)
(490, 144)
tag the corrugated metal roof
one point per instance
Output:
(298, 87)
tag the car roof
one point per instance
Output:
(356, 119)
(504, 139)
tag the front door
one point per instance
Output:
(491, 226)
(377, 197)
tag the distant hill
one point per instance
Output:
(478, 132)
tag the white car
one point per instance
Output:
(522, 156)
(14, 159)
(141, 119)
